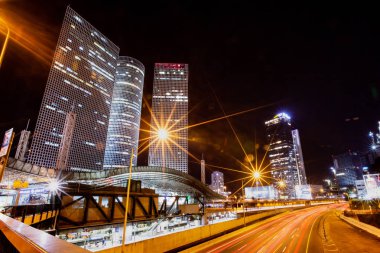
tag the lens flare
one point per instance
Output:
(162, 134)
(24, 30)
(7, 34)
(256, 175)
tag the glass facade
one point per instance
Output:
(349, 167)
(217, 182)
(285, 153)
(169, 111)
(81, 80)
(299, 158)
(124, 123)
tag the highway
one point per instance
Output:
(311, 230)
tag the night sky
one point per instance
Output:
(319, 63)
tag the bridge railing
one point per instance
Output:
(31, 214)
(18, 237)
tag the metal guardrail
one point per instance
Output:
(30, 214)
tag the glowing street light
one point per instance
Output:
(281, 184)
(256, 175)
(162, 134)
(54, 186)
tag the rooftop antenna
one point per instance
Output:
(27, 125)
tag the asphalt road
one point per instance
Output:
(314, 230)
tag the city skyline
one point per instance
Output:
(167, 126)
(213, 71)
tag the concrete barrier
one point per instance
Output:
(363, 226)
(175, 240)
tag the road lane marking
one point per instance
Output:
(308, 239)
(260, 228)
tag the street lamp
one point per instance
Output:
(162, 134)
(5, 41)
(256, 176)
(55, 187)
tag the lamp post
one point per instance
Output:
(5, 41)
(243, 198)
(54, 187)
(256, 176)
(127, 203)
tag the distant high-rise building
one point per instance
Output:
(374, 150)
(217, 182)
(349, 167)
(81, 77)
(285, 153)
(169, 115)
(360, 189)
(124, 123)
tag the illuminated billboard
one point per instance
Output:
(303, 191)
(261, 192)
(6, 141)
(372, 185)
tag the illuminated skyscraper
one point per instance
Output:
(298, 157)
(285, 153)
(217, 182)
(81, 80)
(124, 124)
(349, 167)
(169, 112)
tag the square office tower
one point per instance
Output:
(80, 81)
(169, 122)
